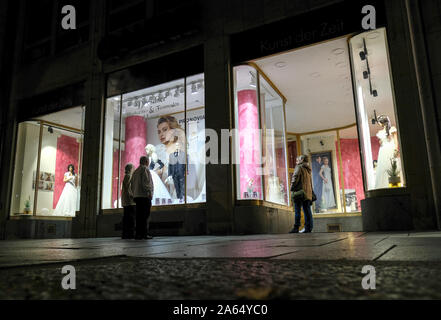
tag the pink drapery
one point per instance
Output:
(249, 149)
(68, 151)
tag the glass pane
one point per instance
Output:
(22, 201)
(248, 156)
(275, 166)
(322, 151)
(155, 118)
(111, 163)
(59, 174)
(196, 139)
(379, 131)
(350, 170)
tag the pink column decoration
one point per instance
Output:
(250, 149)
(135, 141)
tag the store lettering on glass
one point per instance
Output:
(323, 30)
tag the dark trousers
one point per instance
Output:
(308, 214)
(143, 206)
(128, 230)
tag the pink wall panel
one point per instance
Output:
(68, 150)
(249, 149)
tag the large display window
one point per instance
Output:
(47, 174)
(166, 123)
(378, 126)
(260, 143)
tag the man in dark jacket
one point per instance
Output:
(142, 190)
(302, 180)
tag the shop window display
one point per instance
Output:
(166, 123)
(260, 143)
(378, 127)
(47, 174)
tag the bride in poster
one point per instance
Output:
(328, 198)
(67, 203)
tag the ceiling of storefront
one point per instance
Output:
(72, 117)
(317, 83)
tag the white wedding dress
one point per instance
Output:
(385, 155)
(328, 199)
(67, 203)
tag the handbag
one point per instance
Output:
(314, 197)
(298, 195)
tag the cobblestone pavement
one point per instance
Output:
(310, 266)
(147, 278)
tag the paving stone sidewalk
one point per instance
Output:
(310, 266)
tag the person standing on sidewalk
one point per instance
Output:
(142, 189)
(128, 204)
(302, 193)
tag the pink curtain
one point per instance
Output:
(68, 150)
(250, 149)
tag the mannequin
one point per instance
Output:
(176, 171)
(160, 191)
(388, 151)
(67, 203)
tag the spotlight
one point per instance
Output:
(253, 82)
(50, 129)
(362, 55)
(365, 74)
(375, 93)
(322, 143)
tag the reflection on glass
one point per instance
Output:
(376, 111)
(275, 167)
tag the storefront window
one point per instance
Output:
(275, 166)
(260, 144)
(166, 123)
(378, 127)
(47, 174)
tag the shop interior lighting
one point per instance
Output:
(50, 129)
(367, 74)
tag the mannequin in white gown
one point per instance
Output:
(67, 203)
(388, 151)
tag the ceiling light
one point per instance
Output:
(280, 64)
(362, 55)
(338, 51)
(315, 75)
(365, 74)
(340, 64)
(50, 129)
(373, 35)
(375, 93)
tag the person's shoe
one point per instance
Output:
(294, 230)
(306, 231)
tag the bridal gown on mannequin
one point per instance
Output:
(67, 204)
(385, 155)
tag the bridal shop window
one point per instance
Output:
(166, 123)
(260, 144)
(47, 174)
(378, 127)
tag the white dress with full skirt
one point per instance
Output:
(328, 199)
(385, 155)
(67, 203)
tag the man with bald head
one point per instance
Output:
(142, 189)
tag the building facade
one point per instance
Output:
(234, 89)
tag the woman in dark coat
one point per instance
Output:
(302, 180)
